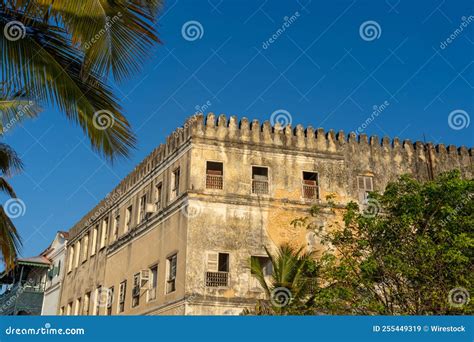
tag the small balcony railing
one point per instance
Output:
(310, 191)
(217, 279)
(214, 181)
(260, 187)
(27, 297)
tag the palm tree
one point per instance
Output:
(61, 53)
(9, 238)
(13, 108)
(288, 289)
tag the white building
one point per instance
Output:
(56, 253)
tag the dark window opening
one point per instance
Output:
(265, 264)
(310, 185)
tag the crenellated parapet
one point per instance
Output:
(245, 131)
(360, 152)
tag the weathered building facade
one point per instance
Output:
(177, 234)
(56, 254)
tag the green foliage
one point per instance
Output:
(62, 52)
(9, 238)
(288, 289)
(414, 255)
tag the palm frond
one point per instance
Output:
(15, 109)
(6, 187)
(257, 271)
(116, 36)
(46, 66)
(10, 162)
(10, 241)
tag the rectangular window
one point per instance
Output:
(136, 290)
(98, 293)
(69, 309)
(267, 269)
(95, 233)
(116, 226)
(85, 247)
(365, 185)
(71, 259)
(110, 300)
(214, 175)
(265, 263)
(153, 282)
(217, 274)
(85, 308)
(158, 195)
(259, 180)
(128, 219)
(122, 296)
(78, 253)
(142, 209)
(104, 233)
(171, 264)
(175, 183)
(310, 185)
(77, 307)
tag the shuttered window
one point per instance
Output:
(365, 185)
(217, 269)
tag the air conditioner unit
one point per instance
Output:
(150, 208)
(144, 277)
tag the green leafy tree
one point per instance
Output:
(410, 251)
(288, 289)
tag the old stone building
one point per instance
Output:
(177, 234)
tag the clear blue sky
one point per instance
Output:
(320, 70)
